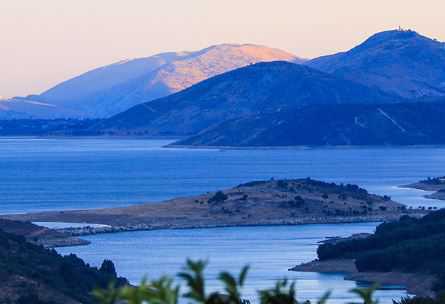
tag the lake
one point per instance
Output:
(270, 251)
(39, 174)
(59, 173)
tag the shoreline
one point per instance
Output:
(90, 230)
(75, 232)
(417, 284)
(175, 138)
(433, 192)
(40, 235)
(256, 203)
(49, 136)
(301, 147)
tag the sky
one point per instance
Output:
(47, 41)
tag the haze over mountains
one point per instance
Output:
(114, 88)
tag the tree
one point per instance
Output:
(108, 268)
(219, 197)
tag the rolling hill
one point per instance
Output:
(258, 88)
(397, 61)
(32, 274)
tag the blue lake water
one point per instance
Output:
(47, 174)
(270, 251)
(54, 174)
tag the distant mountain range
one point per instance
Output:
(114, 88)
(255, 104)
(400, 61)
(253, 95)
(258, 88)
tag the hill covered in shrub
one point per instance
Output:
(408, 245)
(32, 274)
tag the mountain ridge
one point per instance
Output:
(110, 89)
(401, 62)
(260, 87)
(114, 88)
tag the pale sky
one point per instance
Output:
(43, 42)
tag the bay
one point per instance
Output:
(39, 174)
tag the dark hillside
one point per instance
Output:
(319, 125)
(408, 245)
(258, 88)
(33, 274)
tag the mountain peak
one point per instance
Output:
(401, 36)
(255, 50)
(403, 62)
(395, 34)
(111, 89)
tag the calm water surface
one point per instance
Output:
(48, 174)
(54, 174)
(270, 251)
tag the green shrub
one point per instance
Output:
(166, 291)
(218, 197)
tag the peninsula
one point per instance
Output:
(436, 185)
(272, 202)
(407, 252)
(38, 235)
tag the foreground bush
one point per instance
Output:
(165, 291)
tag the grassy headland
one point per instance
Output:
(272, 202)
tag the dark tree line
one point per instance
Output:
(410, 245)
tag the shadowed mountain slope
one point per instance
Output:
(390, 124)
(258, 88)
(400, 61)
